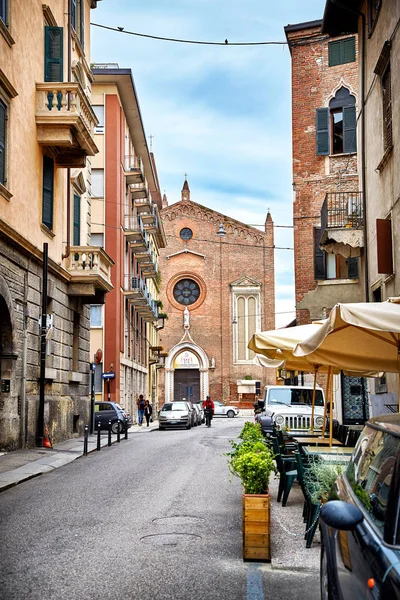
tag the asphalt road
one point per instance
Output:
(155, 517)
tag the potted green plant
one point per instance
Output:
(319, 478)
(251, 459)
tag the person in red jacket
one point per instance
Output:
(208, 406)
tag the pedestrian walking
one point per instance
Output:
(140, 404)
(148, 411)
(208, 406)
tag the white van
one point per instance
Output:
(291, 406)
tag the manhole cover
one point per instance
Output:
(179, 520)
(170, 539)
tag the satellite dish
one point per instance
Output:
(98, 356)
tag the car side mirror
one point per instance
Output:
(341, 515)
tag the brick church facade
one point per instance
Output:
(217, 291)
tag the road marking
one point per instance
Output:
(254, 583)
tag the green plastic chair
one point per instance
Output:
(287, 472)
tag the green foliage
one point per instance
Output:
(319, 478)
(248, 377)
(251, 459)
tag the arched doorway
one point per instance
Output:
(187, 377)
(186, 373)
(9, 418)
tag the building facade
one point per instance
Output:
(328, 207)
(126, 222)
(377, 27)
(217, 290)
(325, 174)
(46, 145)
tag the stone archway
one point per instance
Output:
(170, 370)
(9, 421)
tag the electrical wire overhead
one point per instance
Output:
(181, 41)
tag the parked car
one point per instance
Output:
(221, 410)
(104, 412)
(199, 413)
(193, 413)
(175, 414)
(360, 526)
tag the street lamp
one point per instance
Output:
(221, 231)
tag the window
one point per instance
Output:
(336, 125)
(98, 183)
(3, 132)
(48, 192)
(3, 11)
(76, 241)
(97, 239)
(186, 292)
(186, 233)
(77, 18)
(246, 313)
(374, 7)
(98, 380)
(332, 266)
(96, 315)
(53, 54)
(341, 52)
(99, 112)
(75, 342)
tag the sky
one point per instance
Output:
(221, 114)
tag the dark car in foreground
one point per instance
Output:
(104, 412)
(360, 525)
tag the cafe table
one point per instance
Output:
(316, 441)
(333, 455)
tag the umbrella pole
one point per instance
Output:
(313, 399)
(326, 400)
(331, 412)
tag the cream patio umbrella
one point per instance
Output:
(357, 337)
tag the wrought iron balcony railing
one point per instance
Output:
(342, 210)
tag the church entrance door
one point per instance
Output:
(187, 384)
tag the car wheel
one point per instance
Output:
(230, 414)
(115, 426)
(325, 586)
(188, 426)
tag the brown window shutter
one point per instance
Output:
(384, 246)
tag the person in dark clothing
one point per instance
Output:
(208, 406)
(140, 404)
(148, 411)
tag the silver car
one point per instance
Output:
(199, 413)
(175, 414)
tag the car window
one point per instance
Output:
(167, 407)
(370, 471)
(103, 406)
(290, 396)
(217, 403)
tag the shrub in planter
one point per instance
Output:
(319, 478)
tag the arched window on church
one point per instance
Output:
(245, 324)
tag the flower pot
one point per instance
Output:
(256, 527)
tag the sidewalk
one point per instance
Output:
(20, 465)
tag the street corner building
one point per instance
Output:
(46, 145)
(217, 291)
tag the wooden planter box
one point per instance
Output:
(256, 527)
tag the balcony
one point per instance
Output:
(65, 123)
(135, 232)
(150, 219)
(90, 273)
(342, 223)
(134, 170)
(148, 263)
(135, 290)
(140, 193)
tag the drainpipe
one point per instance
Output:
(69, 74)
(363, 167)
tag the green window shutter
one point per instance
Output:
(349, 129)
(319, 256)
(82, 24)
(322, 131)
(352, 266)
(334, 53)
(53, 54)
(48, 192)
(3, 12)
(77, 221)
(3, 119)
(348, 50)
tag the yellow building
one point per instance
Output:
(46, 146)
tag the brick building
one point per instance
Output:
(327, 208)
(216, 291)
